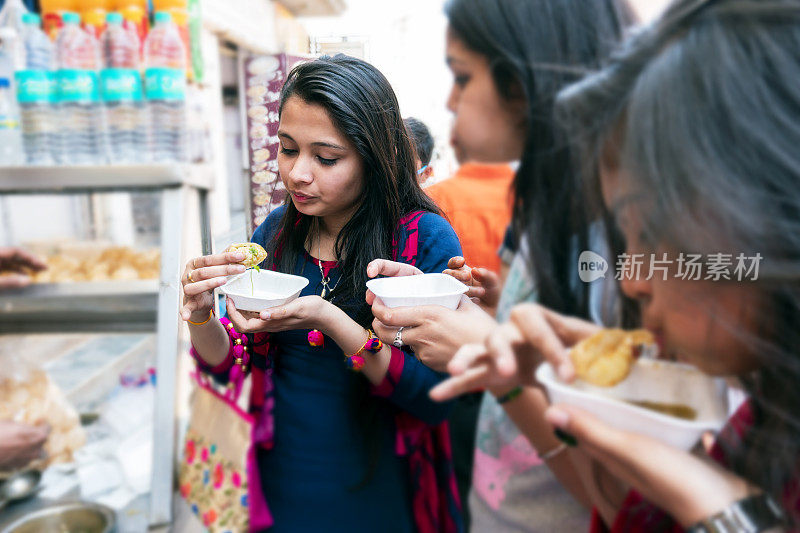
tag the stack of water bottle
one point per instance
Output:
(84, 102)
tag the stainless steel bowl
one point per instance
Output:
(75, 517)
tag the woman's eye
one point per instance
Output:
(461, 80)
(288, 151)
(327, 162)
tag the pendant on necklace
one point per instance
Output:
(315, 337)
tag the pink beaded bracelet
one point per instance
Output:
(241, 356)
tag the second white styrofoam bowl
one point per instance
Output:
(653, 381)
(423, 289)
(256, 290)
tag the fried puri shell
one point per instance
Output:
(254, 254)
(605, 358)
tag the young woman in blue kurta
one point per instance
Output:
(351, 451)
(317, 458)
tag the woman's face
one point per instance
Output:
(320, 167)
(486, 128)
(697, 322)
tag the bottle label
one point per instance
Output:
(165, 83)
(78, 85)
(34, 86)
(121, 85)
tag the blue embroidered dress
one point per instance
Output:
(313, 475)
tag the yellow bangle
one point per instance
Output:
(210, 315)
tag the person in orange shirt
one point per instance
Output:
(477, 201)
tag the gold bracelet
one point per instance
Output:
(356, 361)
(210, 315)
(363, 346)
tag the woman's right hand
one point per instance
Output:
(484, 285)
(514, 350)
(201, 276)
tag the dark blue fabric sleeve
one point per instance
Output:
(508, 248)
(437, 243)
(221, 372)
(510, 239)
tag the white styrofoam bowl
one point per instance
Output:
(268, 289)
(423, 289)
(654, 381)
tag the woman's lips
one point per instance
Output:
(665, 352)
(302, 198)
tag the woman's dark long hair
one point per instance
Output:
(537, 47)
(701, 113)
(362, 105)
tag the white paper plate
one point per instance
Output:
(654, 381)
(255, 290)
(423, 289)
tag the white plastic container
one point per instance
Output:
(423, 289)
(652, 381)
(256, 290)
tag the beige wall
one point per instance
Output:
(290, 34)
(248, 23)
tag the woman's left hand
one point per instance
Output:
(687, 487)
(435, 333)
(308, 312)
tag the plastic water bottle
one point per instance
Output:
(11, 17)
(165, 87)
(10, 135)
(121, 85)
(35, 92)
(38, 47)
(81, 115)
(8, 45)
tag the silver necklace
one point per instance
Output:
(325, 280)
